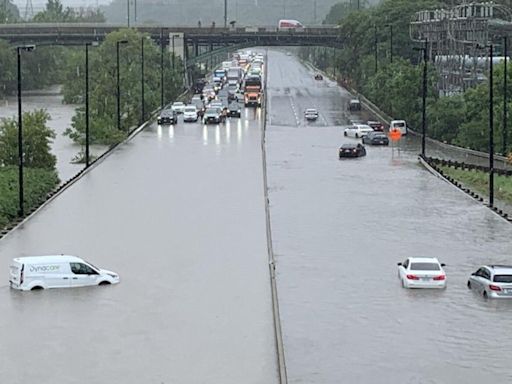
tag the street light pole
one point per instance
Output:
(119, 42)
(491, 129)
(21, 210)
(161, 67)
(143, 112)
(424, 101)
(505, 128)
(87, 104)
(225, 13)
(173, 54)
(391, 43)
(375, 44)
(128, 11)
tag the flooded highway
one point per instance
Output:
(340, 227)
(179, 213)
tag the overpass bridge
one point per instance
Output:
(77, 33)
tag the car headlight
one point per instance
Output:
(112, 275)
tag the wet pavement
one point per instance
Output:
(340, 227)
(179, 213)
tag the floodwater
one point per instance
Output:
(61, 114)
(179, 213)
(340, 226)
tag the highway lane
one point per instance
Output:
(179, 213)
(340, 227)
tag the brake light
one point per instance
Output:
(493, 287)
(439, 278)
(412, 277)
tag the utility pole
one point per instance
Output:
(375, 44)
(391, 42)
(87, 138)
(142, 112)
(128, 12)
(505, 128)
(225, 13)
(491, 129)
(424, 101)
(161, 67)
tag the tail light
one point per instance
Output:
(22, 273)
(412, 277)
(493, 287)
(439, 278)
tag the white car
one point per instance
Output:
(190, 113)
(399, 125)
(311, 114)
(422, 272)
(178, 107)
(42, 272)
(357, 130)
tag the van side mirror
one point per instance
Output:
(398, 263)
(443, 265)
(473, 274)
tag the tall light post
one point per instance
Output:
(375, 46)
(391, 43)
(128, 12)
(173, 53)
(424, 49)
(491, 128)
(142, 112)
(118, 43)
(225, 13)
(161, 67)
(21, 210)
(505, 128)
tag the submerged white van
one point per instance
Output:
(42, 272)
(399, 125)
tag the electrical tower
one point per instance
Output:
(29, 10)
(457, 38)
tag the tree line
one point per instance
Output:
(396, 86)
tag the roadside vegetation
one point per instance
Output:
(103, 86)
(39, 163)
(478, 181)
(396, 86)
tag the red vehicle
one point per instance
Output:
(376, 125)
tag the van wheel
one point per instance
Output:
(344, 133)
(104, 283)
(469, 284)
(357, 136)
(37, 288)
(484, 294)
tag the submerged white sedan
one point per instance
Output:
(422, 272)
(357, 130)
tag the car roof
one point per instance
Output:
(48, 259)
(349, 145)
(423, 260)
(178, 103)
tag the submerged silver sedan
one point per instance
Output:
(492, 281)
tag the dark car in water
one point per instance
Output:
(234, 110)
(352, 150)
(213, 116)
(376, 125)
(167, 116)
(376, 138)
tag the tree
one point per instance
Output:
(55, 12)
(103, 86)
(37, 139)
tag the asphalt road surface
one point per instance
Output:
(340, 226)
(179, 213)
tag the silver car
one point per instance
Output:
(492, 281)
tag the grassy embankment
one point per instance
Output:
(37, 183)
(478, 182)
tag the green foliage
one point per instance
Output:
(38, 182)
(37, 138)
(9, 12)
(103, 85)
(445, 116)
(56, 13)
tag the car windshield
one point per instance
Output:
(502, 278)
(399, 124)
(211, 111)
(178, 104)
(190, 109)
(425, 267)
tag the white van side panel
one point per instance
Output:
(47, 275)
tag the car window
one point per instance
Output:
(502, 278)
(82, 269)
(425, 266)
(406, 263)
